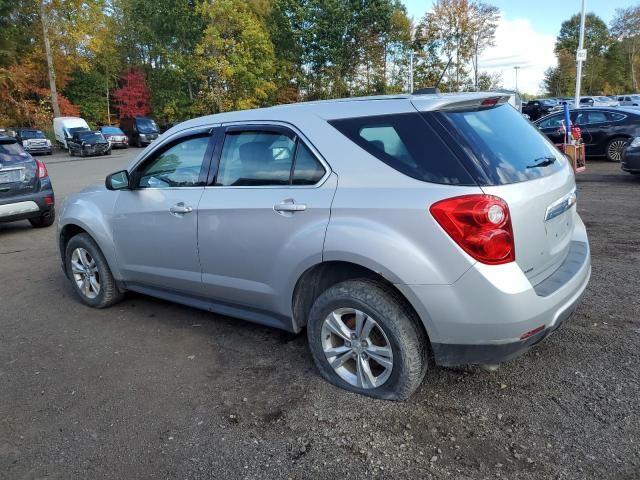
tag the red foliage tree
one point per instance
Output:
(132, 100)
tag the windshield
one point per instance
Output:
(29, 134)
(71, 131)
(112, 131)
(503, 145)
(146, 125)
(91, 137)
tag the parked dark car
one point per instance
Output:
(631, 157)
(25, 187)
(116, 137)
(89, 143)
(34, 141)
(605, 130)
(538, 108)
(140, 130)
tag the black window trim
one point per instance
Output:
(265, 126)
(198, 132)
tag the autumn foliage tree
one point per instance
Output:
(132, 99)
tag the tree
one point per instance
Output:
(484, 24)
(235, 59)
(625, 28)
(596, 41)
(50, 68)
(132, 98)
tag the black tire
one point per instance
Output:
(108, 152)
(615, 148)
(82, 152)
(109, 293)
(43, 221)
(407, 338)
(71, 154)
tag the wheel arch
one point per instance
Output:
(322, 276)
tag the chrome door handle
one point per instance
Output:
(180, 209)
(290, 206)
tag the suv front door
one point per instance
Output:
(156, 222)
(263, 218)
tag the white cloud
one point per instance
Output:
(517, 43)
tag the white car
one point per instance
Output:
(629, 100)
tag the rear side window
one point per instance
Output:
(551, 122)
(408, 144)
(308, 170)
(502, 144)
(616, 117)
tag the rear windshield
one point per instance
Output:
(501, 145)
(408, 144)
(11, 151)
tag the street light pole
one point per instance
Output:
(516, 68)
(580, 56)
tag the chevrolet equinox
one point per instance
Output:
(401, 231)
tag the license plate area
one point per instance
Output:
(11, 175)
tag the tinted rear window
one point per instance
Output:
(503, 146)
(408, 144)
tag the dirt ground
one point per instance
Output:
(148, 389)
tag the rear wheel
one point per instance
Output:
(45, 220)
(365, 340)
(615, 147)
(89, 273)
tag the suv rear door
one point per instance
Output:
(263, 216)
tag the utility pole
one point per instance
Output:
(47, 49)
(581, 56)
(411, 72)
(516, 68)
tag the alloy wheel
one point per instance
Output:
(85, 273)
(357, 348)
(614, 150)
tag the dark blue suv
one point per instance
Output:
(25, 186)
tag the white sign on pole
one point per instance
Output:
(581, 55)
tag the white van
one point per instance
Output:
(64, 127)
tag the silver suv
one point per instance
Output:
(400, 231)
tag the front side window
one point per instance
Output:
(178, 166)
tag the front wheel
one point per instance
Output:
(364, 339)
(89, 273)
(615, 147)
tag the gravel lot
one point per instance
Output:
(148, 389)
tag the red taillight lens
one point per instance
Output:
(480, 224)
(42, 169)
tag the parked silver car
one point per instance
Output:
(396, 229)
(629, 100)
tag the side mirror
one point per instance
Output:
(117, 181)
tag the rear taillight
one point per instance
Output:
(480, 224)
(42, 169)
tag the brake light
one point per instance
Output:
(42, 169)
(490, 102)
(480, 224)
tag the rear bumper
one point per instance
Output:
(482, 317)
(631, 160)
(26, 206)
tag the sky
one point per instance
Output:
(526, 35)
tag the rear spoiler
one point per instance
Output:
(458, 102)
